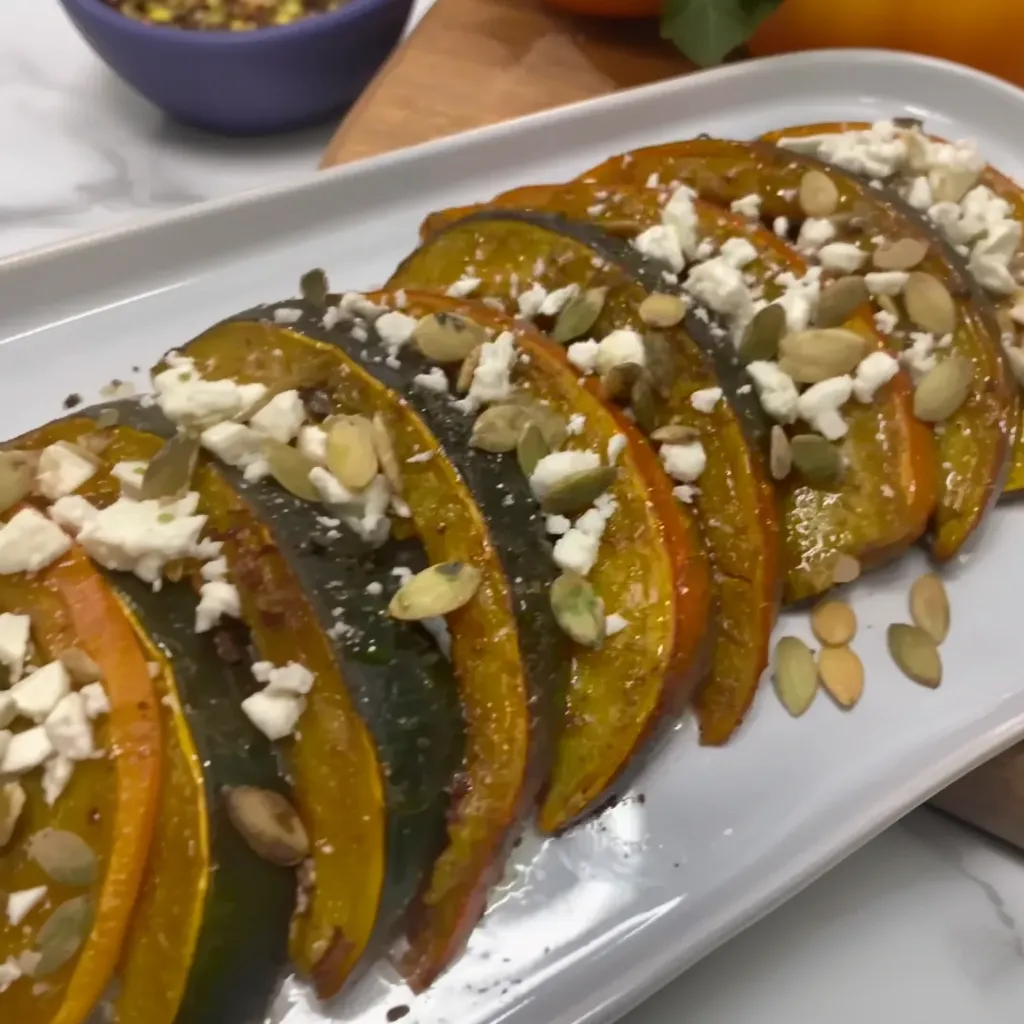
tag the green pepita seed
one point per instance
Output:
(351, 453)
(795, 675)
(929, 606)
(169, 473)
(80, 666)
(780, 456)
(17, 477)
(61, 937)
(903, 254)
(819, 354)
(659, 362)
(65, 857)
(929, 304)
(761, 338)
(618, 382)
(313, 287)
(576, 492)
(386, 457)
(950, 185)
(290, 468)
(268, 823)
(818, 195)
(644, 403)
(12, 803)
(447, 337)
(464, 378)
(553, 425)
(530, 448)
(915, 653)
(675, 433)
(498, 427)
(817, 460)
(437, 590)
(578, 315)
(662, 310)
(840, 300)
(942, 390)
(578, 610)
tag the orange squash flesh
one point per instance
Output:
(975, 444)
(500, 762)
(110, 802)
(651, 570)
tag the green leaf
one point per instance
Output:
(709, 30)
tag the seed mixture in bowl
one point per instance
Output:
(233, 15)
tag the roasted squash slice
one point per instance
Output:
(1006, 189)
(504, 653)
(641, 676)
(111, 803)
(975, 443)
(736, 507)
(201, 948)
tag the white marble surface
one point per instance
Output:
(925, 924)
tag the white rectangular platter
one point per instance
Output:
(585, 926)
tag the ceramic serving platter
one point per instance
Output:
(583, 927)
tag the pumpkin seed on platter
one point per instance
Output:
(644, 403)
(12, 803)
(576, 492)
(498, 427)
(660, 309)
(761, 337)
(929, 606)
(942, 390)
(437, 590)
(352, 451)
(659, 362)
(530, 447)
(675, 433)
(818, 460)
(386, 457)
(290, 468)
(62, 935)
(795, 675)
(846, 569)
(818, 354)
(578, 610)
(80, 666)
(951, 184)
(618, 382)
(578, 315)
(842, 675)
(834, 623)
(780, 454)
(818, 195)
(902, 254)
(840, 300)
(268, 823)
(447, 337)
(929, 304)
(65, 857)
(915, 653)
(553, 425)
(464, 378)
(169, 473)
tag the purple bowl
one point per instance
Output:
(253, 82)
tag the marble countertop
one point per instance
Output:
(924, 924)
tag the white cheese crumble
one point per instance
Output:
(94, 700)
(886, 282)
(685, 493)
(614, 623)
(557, 525)
(234, 444)
(800, 297)
(620, 346)
(680, 213)
(874, 371)
(748, 206)
(216, 599)
(706, 399)
(186, 398)
(329, 487)
(492, 380)
(38, 694)
(293, 678)
(554, 468)
(274, 714)
(721, 287)
(583, 355)
(576, 425)
(616, 446)
(21, 904)
(463, 288)
(72, 513)
(57, 774)
(738, 252)
(531, 301)
(814, 233)
(30, 542)
(129, 474)
(683, 462)
(886, 322)
(62, 470)
(10, 972)
(312, 442)
(287, 315)
(434, 380)
(661, 242)
(554, 302)
(281, 417)
(25, 751)
(69, 729)
(15, 631)
(781, 226)
(819, 406)
(576, 551)
(374, 589)
(843, 257)
(775, 389)
(920, 358)
(919, 194)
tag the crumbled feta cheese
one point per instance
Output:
(72, 513)
(616, 446)
(374, 589)
(748, 206)
(464, 287)
(281, 417)
(844, 257)
(555, 301)
(21, 904)
(130, 475)
(800, 298)
(653, 180)
(738, 252)
(555, 525)
(62, 470)
(621, 346)
(274, 714)
(38, 694)
(919, 195)
(576, 551)
(287, 315)
(680, 213)
(721, 287)
(395, 331)
(583, 355)
(188, 399)
(781, 226)
(989, 260)
(10, 972)
(685, 493)
(15, 631)
(775, 389)
(257, 470)
(492, 377)
(553, 468)
(614, 623)
(293, 678)
(312, 442)
(30, 542)
(531, 301)
(814, 233)
(217, 599)
(886, 282)
(355, 304)
(94, 700)
(661, 242)
(69, 729)
(683, 462)
(920, 358)
(576, 425)
(25, 751)
(57, 774)
(434, 380)
(819, 406)
(329, 487)
(886, 322)
(705, 399)
(874, 371)
(233, 443)
(875, 152)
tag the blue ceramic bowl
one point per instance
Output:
(253, 82)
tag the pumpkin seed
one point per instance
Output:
(795, 675)
(62, 935)
(464, 378)
(553, 425)
(890, 305)
(498, 427)
(780, 455)
(659, 361)
(675, 433)
(576, 492)
(17, 477)
(578, 315)
(943, 389)
(846, 569)
(447, 337)
(903, 254)
(577, 609)
(834, 623)
(80, 666)
(65, 857)
(662, 310)
(1014, 356)
(385, 450)
(817, 459)
(842, 674)
(929, 304)
(268, 823)
(530, 448)
(437, 590)
(290, 468)
(818, 354)
(618, 382)
(950, 185)
(314, 287)
(761, 337)
(12, 803)
(169, 473)
(929, 606)
(818, 195)
(644, 404)
(351, 454)
(840, 300)
(915, 653)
